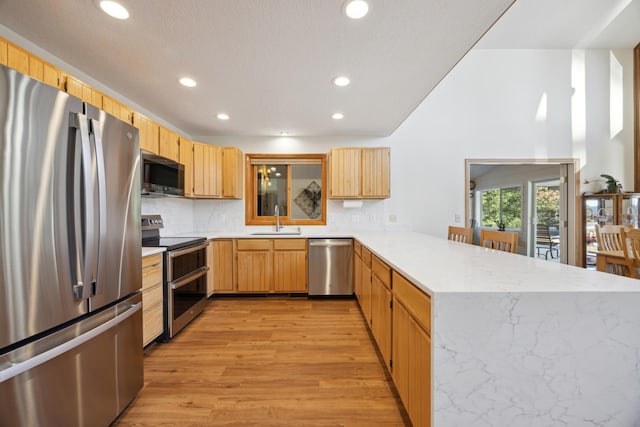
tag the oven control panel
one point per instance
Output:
(152, 222)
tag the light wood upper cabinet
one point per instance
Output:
(52, 76)
(116, 109)
(232, 173)
(148, 133)
(344, 172)
(359, 173)
(169, 144)
(222, 270)
(376, 176)
(83, 91)
(17, 58)
(3, 52)
(207, 170)
(186, 158)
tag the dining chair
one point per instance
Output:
(631, 248)
(545, 241)
(460, 234)
(506, 241)
(609, 238)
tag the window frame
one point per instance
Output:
(500, 219)
(251, 189)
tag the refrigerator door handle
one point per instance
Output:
(18, 368)
(81, 156)
(100, 213)
(90, 220)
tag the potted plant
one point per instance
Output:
(501, 226)
(613, 186)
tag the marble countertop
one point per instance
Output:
(152, 251)
(438, 265)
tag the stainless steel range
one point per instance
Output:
(185, 274)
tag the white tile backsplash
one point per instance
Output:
(176, 212)
(185, 215)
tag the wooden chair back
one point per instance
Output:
(609, 237)
(506, 241)
(460, 234)
(631, 249)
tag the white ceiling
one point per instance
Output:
(269, 63)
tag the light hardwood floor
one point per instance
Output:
(268, 362)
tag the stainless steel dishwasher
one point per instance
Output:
(330, 267)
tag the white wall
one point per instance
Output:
(487, 107)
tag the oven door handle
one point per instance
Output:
(173, 254)
(189, 278)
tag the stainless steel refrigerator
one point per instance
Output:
(70, 259)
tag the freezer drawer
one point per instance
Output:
(83, 375)
(330, 267)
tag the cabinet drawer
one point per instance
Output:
(152, 297)
(381, 270)
(151, 324)
(152, 260)
(366, 257)
(417, 303)
(152, 275)
(252, 244)
(357, 247)
(289, 244)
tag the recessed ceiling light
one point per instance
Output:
(114, 9)
(337, 116)
(223, 116)
(188, 82)
(283, 133)
(356, 9)
(341, 81)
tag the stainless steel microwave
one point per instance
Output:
(161, 176)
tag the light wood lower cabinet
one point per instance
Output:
(399, 316)
(271, 265)
(151, 298)
(357, 271)
(411, 370)
(381, 307)
(253, 265)
(365, 284)
(222, 267)
(290, 265)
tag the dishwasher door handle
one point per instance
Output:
(329, 244)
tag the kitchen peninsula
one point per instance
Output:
(516, 341)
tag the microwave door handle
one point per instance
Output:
(99, 206)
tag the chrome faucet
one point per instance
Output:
(277, 215)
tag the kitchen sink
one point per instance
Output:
(282, 232)
(276, 233)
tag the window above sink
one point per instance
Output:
(295, 183)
